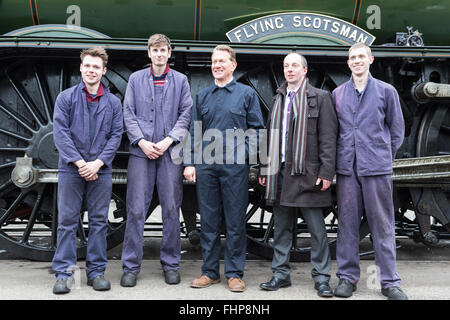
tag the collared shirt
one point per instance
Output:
(96, 97)
(93, 101)
(160, 80)
(285, 115)
(224, 85)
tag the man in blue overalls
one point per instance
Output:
(371, 129)
(223, 106)
(157, 113)
(87, 130)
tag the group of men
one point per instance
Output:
(311, 136)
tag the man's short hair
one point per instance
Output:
(158, 39)
(230, 50)
(302, 59)
(359, 45)
(95, 52)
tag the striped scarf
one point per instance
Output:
(299, 126)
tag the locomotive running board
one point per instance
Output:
(431, 172)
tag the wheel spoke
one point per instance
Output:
(81, 232)
(25, 100)
(11, 149)
(32, 218)
(14, 135)
(44, 94)
(8, 213)
(251, 212)
(8, 165)
(17, 118)
(268, 230)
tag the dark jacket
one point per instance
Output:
(301, 190)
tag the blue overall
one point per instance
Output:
(154, 112)
(89, 131)
(223, 187)
(371, 129)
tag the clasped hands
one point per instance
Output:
(88, 170)
(155, 150)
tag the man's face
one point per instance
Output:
(294, 71)
(159, 55)
(359, 61)
(92, 70)
(222, 67)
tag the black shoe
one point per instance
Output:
(61, 287)
(323, 289)
(128, 279)
(344, 289)
(275, 283)
(99, 283)
(194, 237)
(394, 293)
(172, 276)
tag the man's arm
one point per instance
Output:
(61, 131)
(179, 131)
(129, 114)
(327, 136)
(395, 120)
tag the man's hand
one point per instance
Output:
(189, 174)
(89, 170)
(262, 181)
(150, 149)
(326, 183)
(164, 144)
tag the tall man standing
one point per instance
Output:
(303, 122)
(224, 106)
(157, 113)
(87, 130)
(371, 129)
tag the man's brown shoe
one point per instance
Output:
(236, 284)
(203, 282)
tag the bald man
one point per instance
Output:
(302, 135)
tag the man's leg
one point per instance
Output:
(98, 198)
(70, 198)
(210, 205)
(140, 184)
(170, 192)
(320, 251)
(234, 191)
(377, 191)
(350, 208)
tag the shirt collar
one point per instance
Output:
(100, 92)
(229, 85)
(166, 71)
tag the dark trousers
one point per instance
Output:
(71, 190)
(223, 186)
(142, 176)
(374, 195)
(284, 219)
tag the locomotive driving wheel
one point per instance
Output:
(432, 205)
(28, 216)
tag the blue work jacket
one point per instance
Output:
(371, 128)
(71, 129)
